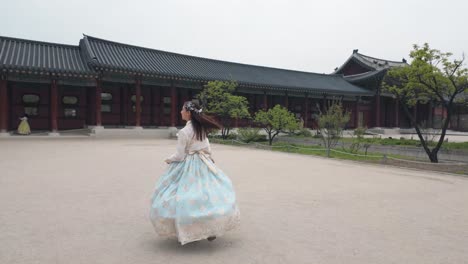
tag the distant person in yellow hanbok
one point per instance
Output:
(23, 128)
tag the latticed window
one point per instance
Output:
(106, 97)
(133, 99)
(106, 102)
(71, 103)
(167, 105)
(31, 99)
(31, 104)
(105, 108)
(70, 112)
(31, 111)
(70, 100)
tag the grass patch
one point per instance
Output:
(315, 151)
(401, 142)
(337, 153)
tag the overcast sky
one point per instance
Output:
(314, 36)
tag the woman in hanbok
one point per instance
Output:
(23, 127)
(193, 199)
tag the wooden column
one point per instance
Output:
(265, 100)
(356, 112)
(90, 106)
(306, 109)
(158, 113)
(173, 105)
(53, 107)
(137, 102)
(377, 110)
(98, 102)
(4, 113)
(124, 105)
(152, 107)
(3, 105)
(397, 113)
(162, 116)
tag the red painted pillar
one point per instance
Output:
(377, 110)
(53, 107)
(123, 105)
(356, 113)
(3, 105)
(152, 107)
(173, 105)
(138, 103)
(160, 106)
(98, 102)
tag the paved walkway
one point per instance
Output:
(86, 201)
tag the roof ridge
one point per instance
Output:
(208, 59)
(39, 42)
(364, 73)
(374, 58)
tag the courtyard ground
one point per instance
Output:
(86, 200)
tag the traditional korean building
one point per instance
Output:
(101, 83)
(368, 72)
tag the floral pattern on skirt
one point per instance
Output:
(192, 203)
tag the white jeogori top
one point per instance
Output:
(187, 143)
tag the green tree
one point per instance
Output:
(276, 120)
(431, 76)
(217, 98)
(331, 125)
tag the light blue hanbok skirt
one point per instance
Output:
(194, 200)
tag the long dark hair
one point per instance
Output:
(202, 124)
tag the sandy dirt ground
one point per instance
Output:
(87, 201)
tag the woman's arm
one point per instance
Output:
(182, 141)
(209, 150)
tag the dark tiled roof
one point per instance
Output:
(371, 63)
(35, 56)
(363, 77)
(108, 55)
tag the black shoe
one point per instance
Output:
(211, 238)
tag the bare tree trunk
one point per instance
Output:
(432, 154)
(273, 137)
(270, 137)
(226, 127)
(413, 123)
